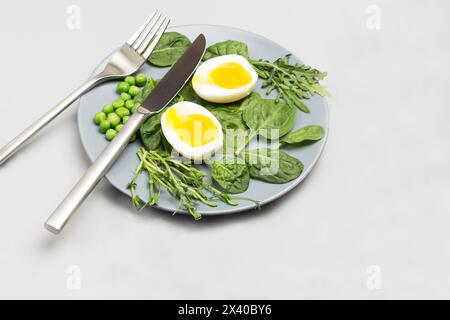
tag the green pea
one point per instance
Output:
(122, 112)
(130, 80)
(119, 103)
(134, 91)
(99, 117)
(129, 104)
(119, 127)
(104, 126)
(125, 96)
(141, 80)
(135, 107)
(110, 134)
(125, 119)
(113, 119)
(107, 108)
(123, 87)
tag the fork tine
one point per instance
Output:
(136, 45)
(136, 35)
(148, 38)
(161, 29)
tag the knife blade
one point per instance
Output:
(175, 79)
(160, 97)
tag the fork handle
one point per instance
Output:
(13, 146)
(94, 174)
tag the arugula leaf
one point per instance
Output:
(226, 47)
(231, 174)
(273, 166)
(308, 133)
(169, 49)
(292, 82)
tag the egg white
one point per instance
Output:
(211, 92)
(195, 153)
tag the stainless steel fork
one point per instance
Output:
(125, 61)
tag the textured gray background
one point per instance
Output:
(378, 197)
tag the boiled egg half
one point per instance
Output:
(192, 130)
(224, 79)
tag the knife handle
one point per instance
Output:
(95, 173)
(13, 146)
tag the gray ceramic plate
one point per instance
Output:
(120, 174)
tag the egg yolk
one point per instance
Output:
(230, 75)
(195, 130)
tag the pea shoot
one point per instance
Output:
(183, 181)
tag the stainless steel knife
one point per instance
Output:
(165, 91)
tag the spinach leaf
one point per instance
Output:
(226, 47)
(267, 118)
(272, 165)
(229, 115)
(308, 133)
(188, 93)
(169, 49)
(233, 126)
(151, 132)
(231, 174)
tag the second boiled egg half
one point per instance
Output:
(192, 130)
(224, 79)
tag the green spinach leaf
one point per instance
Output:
(169, 49)
(188, 93)
(267, 118)
(151, 132)
(273, 166)
(231, 174)
(233, 126)
(226, 47)
(308, 133)
(229, 115)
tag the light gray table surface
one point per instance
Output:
(371, 221)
